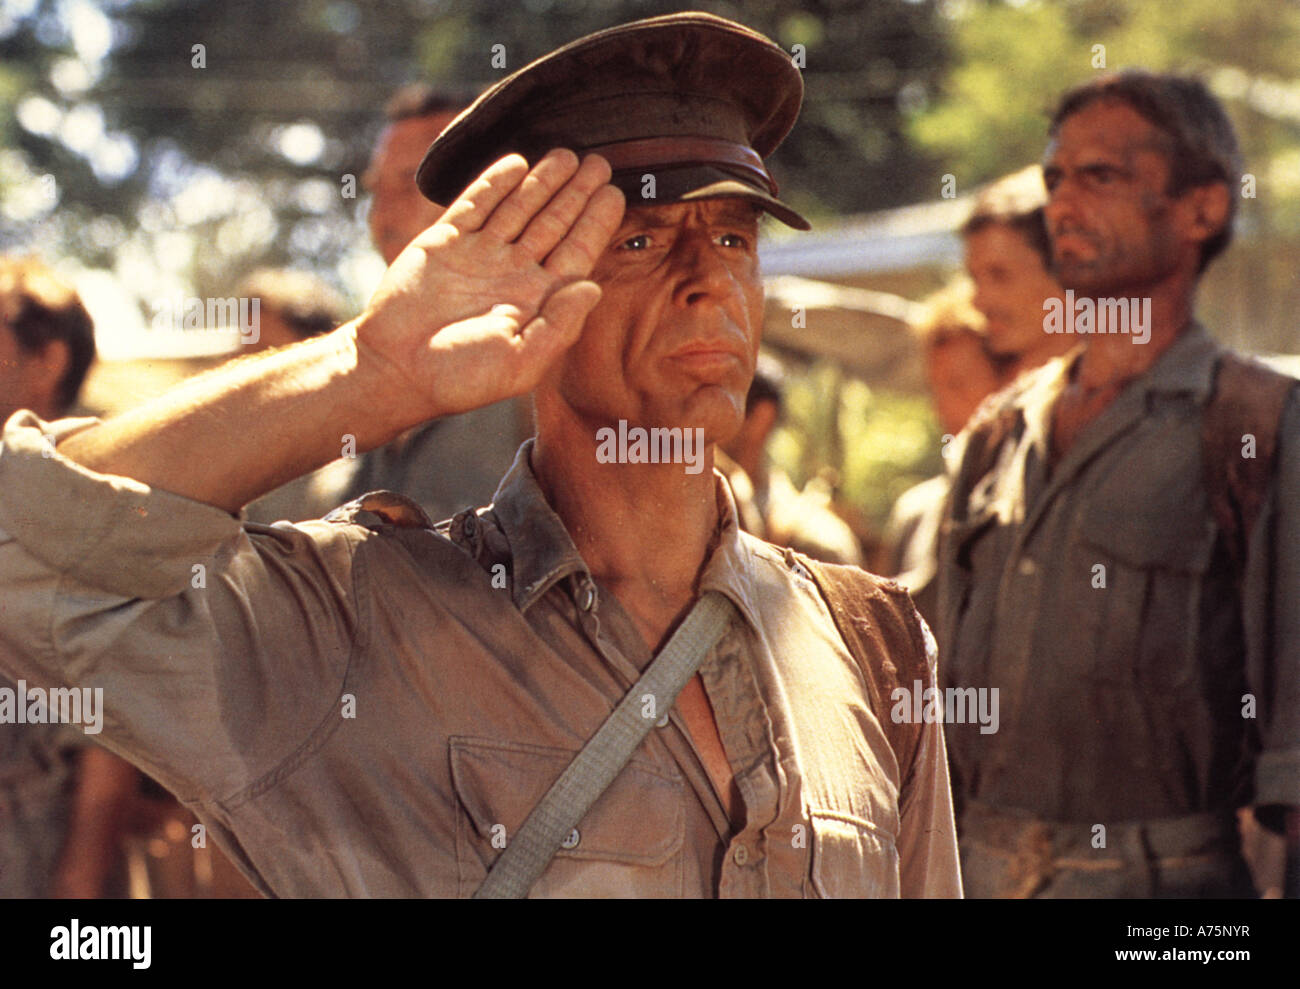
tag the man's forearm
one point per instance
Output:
(243, 429)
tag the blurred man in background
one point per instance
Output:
(454, 462)
(63, 800)
(292, 306)
(47, 340)
(978, 336)
(416, 115)
(961, 373)
(1008, 256)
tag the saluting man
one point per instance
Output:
(368, 705)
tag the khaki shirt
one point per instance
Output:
(361, 709)
(1135, 683)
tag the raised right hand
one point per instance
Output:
(479, 305)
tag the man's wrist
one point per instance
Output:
(383, 393)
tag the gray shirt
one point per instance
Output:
(1099, 600)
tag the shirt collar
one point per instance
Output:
(730, 569)
(1186, 366)
(542, 552)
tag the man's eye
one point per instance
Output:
(638, 243)
(733, 240)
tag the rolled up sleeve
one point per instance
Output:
(220, 648)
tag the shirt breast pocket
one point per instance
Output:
(629, 844)
(852, 858)
(1145, 572)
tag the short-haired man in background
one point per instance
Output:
(961, 373)
(292, 306)
(1122, 555)
(769, 504)
(415, 115)
(1008, 257)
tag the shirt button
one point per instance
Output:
(1027, 567)
(571, 839)
(587, 597)
(740, 855)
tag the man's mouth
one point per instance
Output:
(722, 347)
(1072, 242)
(707, 359)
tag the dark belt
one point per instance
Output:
(1167, 841)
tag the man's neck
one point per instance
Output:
(1110, 361)
(1052, 345)
(644, 530)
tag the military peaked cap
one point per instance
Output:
(696, 101)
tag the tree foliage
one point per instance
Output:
(199, 138)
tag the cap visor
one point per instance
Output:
(684, 185)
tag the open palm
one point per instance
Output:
(478, 306)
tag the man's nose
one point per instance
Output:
(703, 272)
(1061, 205)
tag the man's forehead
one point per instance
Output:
(993, 235)
(727, 209)
(408, 138)
(1105, 127)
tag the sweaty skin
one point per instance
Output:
(672, 342)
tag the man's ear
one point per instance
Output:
(41, 373)
(763, 417)
(52, 360)
(1207, 208)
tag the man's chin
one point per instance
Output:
(718, 411)
(709, 430)
(1082, 277)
